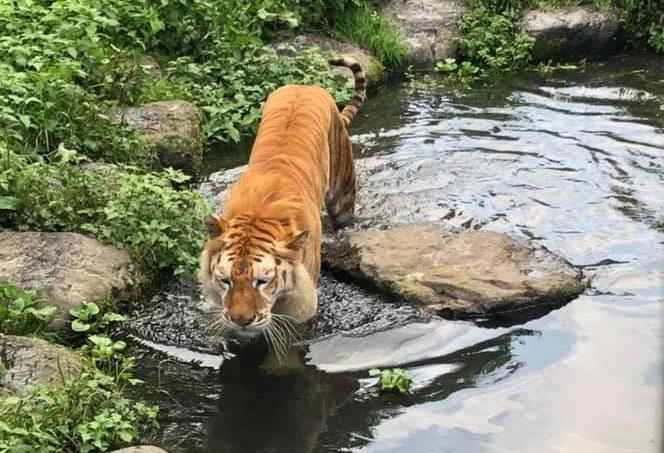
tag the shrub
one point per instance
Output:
(22, 312)
(90, 413)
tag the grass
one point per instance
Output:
(364, 26)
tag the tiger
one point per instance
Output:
(261, 261)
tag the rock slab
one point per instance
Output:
(330, 47)
(572, 33)
(429, 27)
(66, 269)
(468, 273)
(173, 129)
(29, 361)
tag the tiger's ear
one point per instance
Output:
(215, 226)
(298, 241)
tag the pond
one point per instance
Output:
(573, 160)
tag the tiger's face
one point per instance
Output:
(246, 266)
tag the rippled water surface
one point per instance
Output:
(575, 161)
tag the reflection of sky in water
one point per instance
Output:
(581, 170)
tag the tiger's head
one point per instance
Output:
(247, 265)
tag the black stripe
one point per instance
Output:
(262, 230)
(359, 81)
(355, 67)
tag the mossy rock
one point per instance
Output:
(173, 131)
(465, 273)
(572, 33)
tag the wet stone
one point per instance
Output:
(173, 130)
(429, 27)
(178, 316)
(466, 273)
(30, 361)
(63, 268)
(572, 33)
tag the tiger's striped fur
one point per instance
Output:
(261, 262)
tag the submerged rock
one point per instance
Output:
(30, 361)
(173, 130)
(572, 33)
(429, 27)
(178, 316)
(66, 269)
(464, 273)
(330, 47)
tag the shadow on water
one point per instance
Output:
(278, 410)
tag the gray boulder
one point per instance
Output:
(330, 47)
(66, 269)
(464, 273)
(173, 130)
(29, 361)
(429, 27)
(572, 33)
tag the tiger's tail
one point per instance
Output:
(359, 93)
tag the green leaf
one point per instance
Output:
(8, 203)
(79, 326)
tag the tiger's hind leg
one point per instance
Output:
(340, 197)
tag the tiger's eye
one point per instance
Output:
(260, 282)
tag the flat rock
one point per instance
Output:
(468, 273)
(429, 27)
(140, 449)
(66, 269)
(330, 47)
(173, 129)
(30, 361)
(572, 33)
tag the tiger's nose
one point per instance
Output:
(243, 320)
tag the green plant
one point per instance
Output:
(643, 21)
(146, 213)
(493, 42)
(87, 318)
(22, 312)
(90, 413)
(394, 380)
(364, 26)
(232, 94)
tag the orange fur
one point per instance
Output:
(301, 159)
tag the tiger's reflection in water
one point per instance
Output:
(279, 409)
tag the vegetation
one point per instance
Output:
(492, 42)
(365, 26)
(90, 413)
(395, 380)
(644, 21)
(147, 213)
(22, 312)
(89, 318)
(65, 63)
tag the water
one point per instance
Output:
(574, 160)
